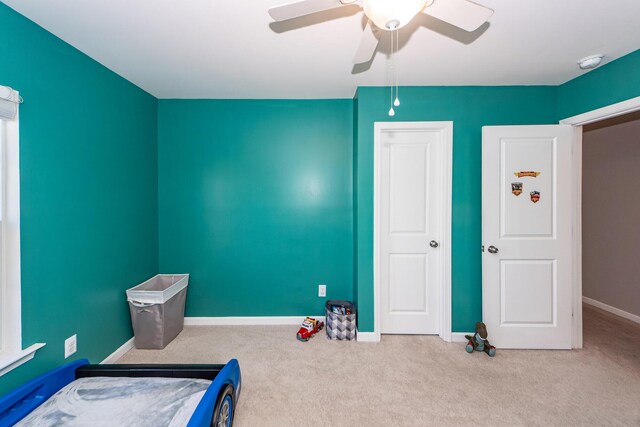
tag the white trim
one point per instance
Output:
(239, 321)
(376, 234)
(576, 334)
(613, 310)
(367, 337)
(121, 351)
(459, 336)
(12, 354)
(445, 239)
(13, 360)
(10, 280)
(629, 106)
(447, 189)
(608, 112)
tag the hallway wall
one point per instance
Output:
(610, 212)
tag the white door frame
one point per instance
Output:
(610, 111)
(444, 239)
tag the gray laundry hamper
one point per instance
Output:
(157, 309)
(341, 326)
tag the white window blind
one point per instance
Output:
(9, 100)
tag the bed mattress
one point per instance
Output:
(105, 401)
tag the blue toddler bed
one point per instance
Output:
(80, 394)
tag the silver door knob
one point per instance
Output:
(492, 249)
(434, 244)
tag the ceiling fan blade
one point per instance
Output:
(464, 14)
(368, 44)
(302, 8)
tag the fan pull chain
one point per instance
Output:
(396, 103)
(391, 110)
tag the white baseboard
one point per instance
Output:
(446, 336)
(612, 310)
(367, 337)
(249, 321)
(113, 357)
(373, 337)
(459, 336)
(266, 320)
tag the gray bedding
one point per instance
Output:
(102, 401)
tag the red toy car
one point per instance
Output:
(309, 328)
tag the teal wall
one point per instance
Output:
(616, 81)
(88, 195)
(469, 108)
(255, 202)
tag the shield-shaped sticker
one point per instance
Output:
(516, 188)
(535, 196)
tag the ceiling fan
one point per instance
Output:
(390, 15)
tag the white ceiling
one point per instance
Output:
(230, 48)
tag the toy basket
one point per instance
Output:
(340, 325)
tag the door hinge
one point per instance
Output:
(482, 248)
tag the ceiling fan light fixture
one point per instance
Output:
(391, 15)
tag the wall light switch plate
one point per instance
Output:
(70, 346)
(322, 290)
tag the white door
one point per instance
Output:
(410, 173)
(527, 205)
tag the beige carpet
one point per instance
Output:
(420, 381)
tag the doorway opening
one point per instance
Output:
(610, 229)
(620, 113)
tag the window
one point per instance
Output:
(12, 354)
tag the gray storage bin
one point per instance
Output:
(157, 309)
(341, 326)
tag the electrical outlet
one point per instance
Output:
(322, 290)
(70, 346)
